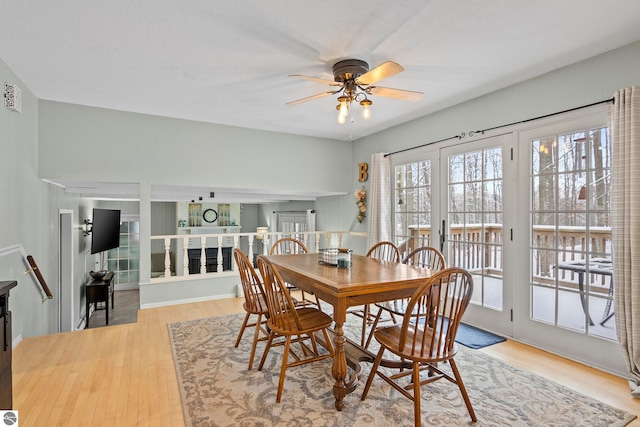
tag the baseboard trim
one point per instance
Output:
(16, 341)
(187, 301)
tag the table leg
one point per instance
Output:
(608, 314)
(583, 297)
(339, 367)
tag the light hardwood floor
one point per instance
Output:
(124, 375)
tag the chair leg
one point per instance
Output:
(283, 369)
(244, 325)
(314, 345)
(266, 351)
(328, 341)
(365, 320)
(417, 419)
(256, 335)
(463, 390)
(372, 374)
(373, 328)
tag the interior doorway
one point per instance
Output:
(65, 280)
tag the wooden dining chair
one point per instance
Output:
(255, 302)
(287, 321)
(424, 257)
(383, 251)
(425, 344)
(287, 246)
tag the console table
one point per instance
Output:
(99, 290)
(6, 384)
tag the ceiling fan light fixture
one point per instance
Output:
(366, 110)
(355, 82)
(344, 108)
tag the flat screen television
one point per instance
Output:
(105, 231)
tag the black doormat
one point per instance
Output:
(472, 337)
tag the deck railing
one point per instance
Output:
(479, 248)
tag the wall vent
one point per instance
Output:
(12, 98)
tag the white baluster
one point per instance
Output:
(167, 257)
(220, 255)
(185, 256)
(203, 255)
(250, 238)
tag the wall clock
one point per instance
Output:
(210, 215)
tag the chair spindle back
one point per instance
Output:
(254, 295)
(446, 293)
(384, 251)
(282, 311)
(287, 246)
(426, 257)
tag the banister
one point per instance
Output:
(30, 262)
(36, 271)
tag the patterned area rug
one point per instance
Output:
(217, 390)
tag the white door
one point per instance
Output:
(460, 200)
(478, 213)
(566, 304)
(65, 294)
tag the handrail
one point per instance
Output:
(33, 267)
(36, 270)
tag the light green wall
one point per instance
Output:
(583, 83)
(86, 143)
(29, 217)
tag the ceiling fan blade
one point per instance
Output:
(314, 79)
(382, 71)
(405, 95)
(310, 98)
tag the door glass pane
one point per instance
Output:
(124, 260)
(474, 218)
(571, 251)
(412, 203)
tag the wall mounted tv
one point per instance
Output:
(105, 230)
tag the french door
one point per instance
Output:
(565, 184)
(527, 214)
(478, 215)
(460, 199)
(124, 260)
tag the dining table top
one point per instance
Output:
(365, 276)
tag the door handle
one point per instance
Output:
(443, 235)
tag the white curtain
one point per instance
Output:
(379, 200)
(624, 124)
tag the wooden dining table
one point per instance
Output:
(367, 281)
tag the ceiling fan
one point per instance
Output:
(355, 82)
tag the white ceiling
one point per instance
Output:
(227, 61)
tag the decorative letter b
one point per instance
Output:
(363, 175)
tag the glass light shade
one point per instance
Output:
(342, 118)
(344, 108)
(366, 111)
(261, 232)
